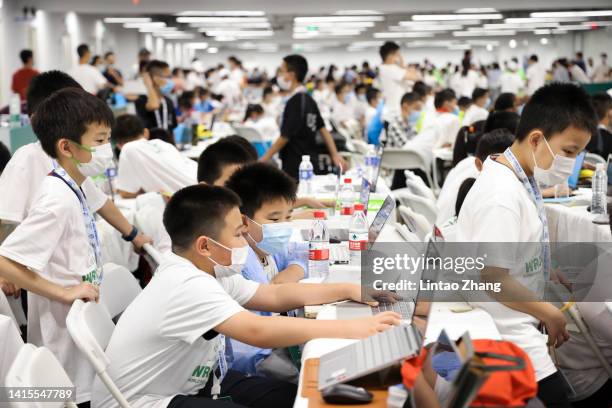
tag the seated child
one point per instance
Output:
(175, 357)
(221, 159)
(148, 165)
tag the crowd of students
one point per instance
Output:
(207, 324)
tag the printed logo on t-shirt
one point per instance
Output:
(91, 277)
(534, 265)
(200, 374)
(311, 122)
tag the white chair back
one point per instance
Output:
(418, 204)
(118, 289)
(406, 158)
(153, 199)
(415, 223)
(361, 147)
(593, 159)
(10, 344)
(5, 308)
(38, 367)
(416, 184)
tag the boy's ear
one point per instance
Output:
(201, 246)
(146, 133)
(535, 137)
(478, 164)
(62, 147)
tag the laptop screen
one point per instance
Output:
(572, 181)
(381, 218)
(610, 169)
(364, 194)
(379, 153)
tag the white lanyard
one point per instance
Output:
(162, 123)
(223, 367)
(532, 188)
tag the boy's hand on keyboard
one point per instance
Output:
(368, 326)
(140, 240)
(85, 291)
(374, 297)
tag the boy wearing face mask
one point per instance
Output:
(267, 212)
(175, 357)
(402, 128)
(55, 252)
(447, 119)
(478, 109)
(505, 206)
(156, 109)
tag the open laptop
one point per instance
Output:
(374, 181)
(364, 194)
(354, 310)
(339, 253)
(371, 355)
(572, 181)
(609, 171)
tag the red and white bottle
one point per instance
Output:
(358, 234)
(346, 198)
(318, 253)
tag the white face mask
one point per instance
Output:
(283, 83)
(558, 172)
(101, 157)
(239, 258)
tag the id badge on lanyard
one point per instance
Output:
(162, 122)
(222, 364)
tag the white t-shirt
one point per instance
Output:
(52, 241)
(22, 177)
(536, 77)
(266, 126)
(154, 166)
(230, 91)
(157, 350)
(89, 77)
(392, 86)
(499, 209)
(474, 114)
(510, 82)
(578, 74)
(466, 168)
(447, 127)
(341, 112)
(467, 83)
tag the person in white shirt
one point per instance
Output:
(483, 80)
(505, 214)
(394, 78)
(176, 356)
(577, 73)
(148, 165)
(236, 71)
(266, 126)
(340, 109)
(447, 120)
(88, 76)
(601, 73)
(359, 104)
(510, 80)
(55, 252)
(230, 91)
(536, 75)
(373, 96)
(478, 109)
(466, 82)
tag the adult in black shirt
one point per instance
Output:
(300, 122)
(155, 109)
(601, 143)
(112, 74)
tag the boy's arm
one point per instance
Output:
(275, 148)
(280, 331)
(127, 194)
(33, 282)
(331, 147)
(291, 274)
(153, 101)
(113, 216)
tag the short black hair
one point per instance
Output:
(108, 54)
(502, 120)
(66, 115)
(82, 50)
(43, 85)
(127, 128)
(298, 65)
(253, 108)
(5, 156)
(464, 102)
(186, 100)
(267, 91)
(161, 134)
(493, 142)
(479, 93)
(25, 56)
(464, 189)
(245, 144)
(360, 86)
(602, 102)
(341, 85)
(372, 93)
(443, 96)
(533, 58)
(387, 48)
(410, 98)
(155, 67)
(218, 155)
(555, 107)
(197, 210)
(248, 183)
(504, 101)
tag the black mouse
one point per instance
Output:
(345, 394)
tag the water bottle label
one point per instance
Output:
(358, 241)
(305, 174)
(347, 211)
(318, 254)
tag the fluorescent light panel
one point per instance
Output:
(402, 35)
(229, 13)
(476, 10)
(438, 27)
(421, 23)
(519, 26)
(221, 19)
(198, 45)
(121, 20)
(528, 20)
(357, 12)
(590, 13)
(483, 33)
(152, 24)
(337, 24)
(234, 25)
(315, 20)
(453, 17)
(240, 33)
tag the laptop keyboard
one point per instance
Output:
(404, 309)
(391, 345)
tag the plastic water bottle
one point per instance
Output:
(358, 235)
(346, 198)
(370, 162)
(306, 175)
(600, 190)
(111, 177)
(15, 111)
(318, 252)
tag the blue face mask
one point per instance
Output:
(414, 117)
(167, 88)
(456, 111)
(347, 98)
(487, 104)
(275, 237)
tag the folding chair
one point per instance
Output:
(10, 344)
(593, 159)
(406, 158)
(91, 327)
(118, 289)
(418, 204)
(416, 223)
(153, 255)
(38, 367)
(418, 186)
(154, 199)
(6, 310)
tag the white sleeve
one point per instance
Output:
(127, 175)
(196, 307)
(95, 197)
(14, 190)
(239, 288)
(33, 242)
(100, 80)
(398, 74)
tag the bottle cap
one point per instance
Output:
(348, 181)
(599, 166)
(319, 214)
(359, 207)
(306, 157)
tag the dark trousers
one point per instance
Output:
(552, 392)
(602, 398)
(257, 392)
